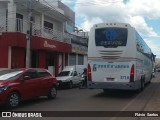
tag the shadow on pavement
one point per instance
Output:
(27, 103)
(116, 94)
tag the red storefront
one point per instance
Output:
(44, 52)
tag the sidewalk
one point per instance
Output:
(153, 104)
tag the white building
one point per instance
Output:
(50, 44)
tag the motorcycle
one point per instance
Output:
(82, 81)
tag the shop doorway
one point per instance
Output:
(66, 59)
(50, 62)
(34, 59)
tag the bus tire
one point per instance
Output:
(142, 84)
(13, 100)
(105, 90)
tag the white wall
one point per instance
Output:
(3, 8)
(11, 16)
(13, 9)
(85, 60)
(56, 25)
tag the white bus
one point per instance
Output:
(118, 58)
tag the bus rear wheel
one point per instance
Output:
(105, 90)
(142, 84)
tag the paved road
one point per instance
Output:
(95, 100)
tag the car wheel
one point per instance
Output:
(70, 86)
(52, 93)
(13, 100)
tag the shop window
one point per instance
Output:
(19, 22)
(48, 25)
(72, 59)
(80, 60)
(50, 59)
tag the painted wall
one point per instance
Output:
(10, 39)
(3, 7)
(4, 56)
(50, 45)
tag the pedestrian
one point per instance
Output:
(85, 77)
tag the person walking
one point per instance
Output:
(83, 83)
(85, 77)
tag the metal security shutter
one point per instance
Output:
(72, 59)
(80, 59)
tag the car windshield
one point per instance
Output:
(9, 74)
(64, 73)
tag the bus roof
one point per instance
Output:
(125, 25)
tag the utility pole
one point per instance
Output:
(29, 36)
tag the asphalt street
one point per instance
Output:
(96, 100)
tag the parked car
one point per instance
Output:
(21, 84)
(70, 76)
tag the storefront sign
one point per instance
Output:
(79, 49)
(47, 45)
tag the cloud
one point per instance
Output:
(154, 47)
(139, 23)
(88, 24)
(145, 8)
(131, 11)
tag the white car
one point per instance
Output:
(70, 76)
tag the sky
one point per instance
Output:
(144, 15)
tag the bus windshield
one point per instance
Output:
(111, 37)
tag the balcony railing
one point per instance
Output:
(22, 26)
(79, 40)
(48, 33)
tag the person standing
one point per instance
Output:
(85, 77)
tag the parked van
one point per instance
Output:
(70, 76)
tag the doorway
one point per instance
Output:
(50, 62)
(34, 59)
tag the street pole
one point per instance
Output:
(29, 37)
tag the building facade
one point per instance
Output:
(49, 43)
(79, 39)
(79, 49)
